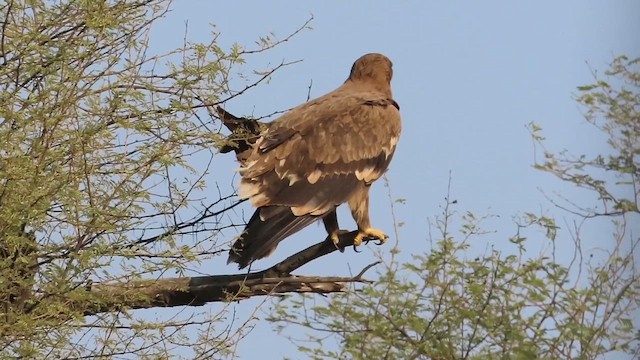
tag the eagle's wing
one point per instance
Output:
(311, 160)
(314, 165)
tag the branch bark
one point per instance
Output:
(197, 291)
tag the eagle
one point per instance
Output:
(317, 156)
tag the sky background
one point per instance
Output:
(468, 76)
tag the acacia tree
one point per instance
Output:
(106, 154)
(508, 304)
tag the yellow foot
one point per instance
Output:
(370, 234)
(335, 238)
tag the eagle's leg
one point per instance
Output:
(331, 224)
(333, 229)
(359, 206)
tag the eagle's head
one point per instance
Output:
(372, 67)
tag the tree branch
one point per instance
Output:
(197, 291)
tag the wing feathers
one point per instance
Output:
(296, 171)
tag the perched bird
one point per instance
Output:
(319, 155)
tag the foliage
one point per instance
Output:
(506, 303)
(104, 150)
(614, 108)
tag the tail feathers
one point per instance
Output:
(261, 237)
(244, 133)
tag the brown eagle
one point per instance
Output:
(319, 155)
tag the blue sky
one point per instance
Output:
(468, 77)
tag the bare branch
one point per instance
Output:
(197, 291)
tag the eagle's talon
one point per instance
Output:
(368, 235)
(355, 248)
(381, 241)
(378, 242)
(335, 239)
